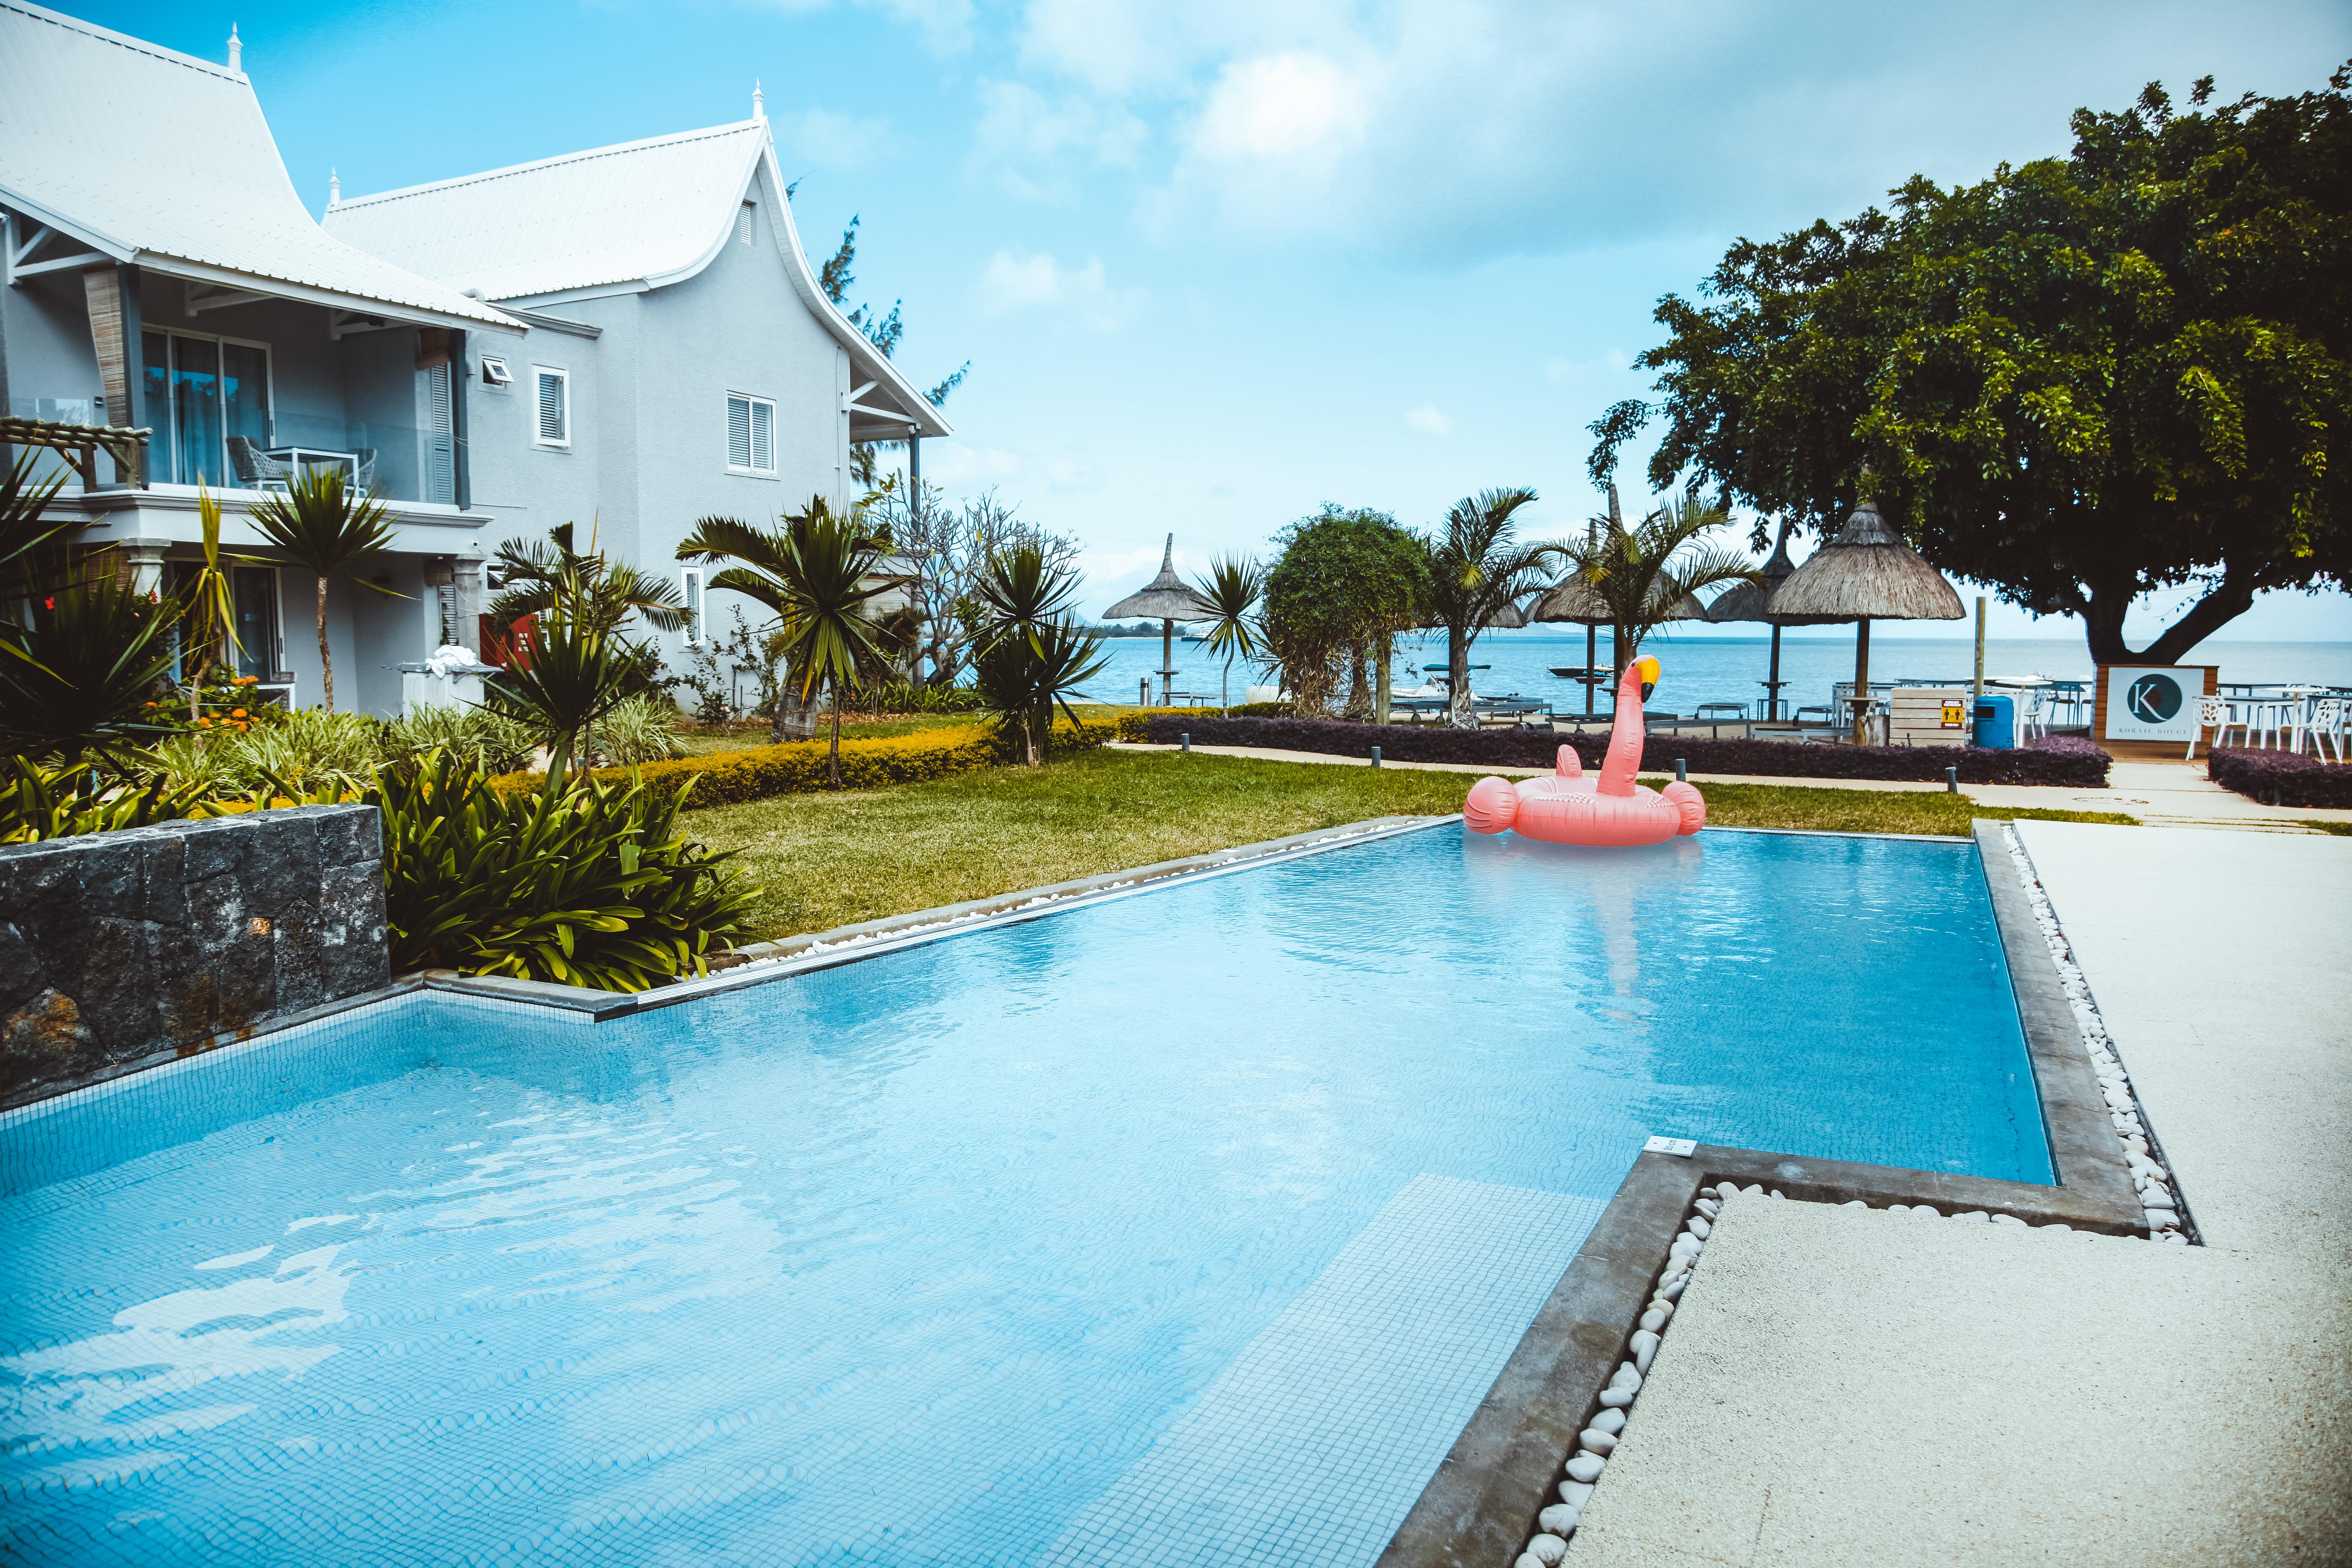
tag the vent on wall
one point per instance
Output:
(742, 224)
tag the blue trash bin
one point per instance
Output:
(1996, 725)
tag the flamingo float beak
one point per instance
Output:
(1648, 668)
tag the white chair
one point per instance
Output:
(2212, 714)
(2034, 721)
(2323, 721)
(2271, 716)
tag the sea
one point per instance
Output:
(1715, 669)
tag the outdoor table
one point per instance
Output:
(312, 457)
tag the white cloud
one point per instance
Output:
(1429, 421)
(1017, 281)
(945, 25)
(819, 138)
(1463, 129)
(1559, 371)
(1033, 143)
(953, 463)
(1071, 477)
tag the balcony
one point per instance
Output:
(395, 464)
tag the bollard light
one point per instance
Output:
(1681, 770)
(1376, 756)
(1188, 740)
(1951, 780)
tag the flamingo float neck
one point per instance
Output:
(1627, 733)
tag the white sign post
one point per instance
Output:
(2153, 703)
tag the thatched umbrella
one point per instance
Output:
(1746, 602)
(1574, 601)
(1167, 600)
(1866, 573)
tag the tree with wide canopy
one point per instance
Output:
(1348, 581)
(2080, 381)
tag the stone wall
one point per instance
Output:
(118, 949)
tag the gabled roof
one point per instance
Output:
(646, 214)
(148, 155)
(641, 212)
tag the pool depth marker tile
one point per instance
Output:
(1312, 1445)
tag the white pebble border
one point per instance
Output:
(1598, 1441)
(2141, 1151)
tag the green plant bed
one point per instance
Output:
(829, 859)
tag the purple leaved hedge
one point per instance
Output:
(2055, 759)
(2282, 778)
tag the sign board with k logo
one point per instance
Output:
(2148, 702)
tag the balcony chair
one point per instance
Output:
(256, 469)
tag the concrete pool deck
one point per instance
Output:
(1850, 1386)
(2219, 962)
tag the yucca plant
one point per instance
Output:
(1029, 651)
(814, 572)
(325, 528)
(210, 614)
(556, 576)
(79, 668)
(571, 673)
(1231, 591)
(588, 884)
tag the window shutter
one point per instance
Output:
(551, 408)
(738, 432)
(763, 437)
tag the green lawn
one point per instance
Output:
(829, 859)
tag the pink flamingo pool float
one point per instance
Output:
(1611, 811)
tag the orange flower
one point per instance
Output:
(236, 713)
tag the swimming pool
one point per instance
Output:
(1184, 1227)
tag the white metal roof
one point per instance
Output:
(648, 212)
(641, 212)
(152, 156)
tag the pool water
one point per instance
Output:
(1187, 1227)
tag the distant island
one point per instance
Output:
(1139, 629)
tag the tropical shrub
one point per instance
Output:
(494, 741)
(903, 698)
(586, 884)
(638, 730)
(2060, 760)
(2281, 778)
(799, 767)
(39, 802)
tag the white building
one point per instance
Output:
(627, 337)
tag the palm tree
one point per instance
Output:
(1650, 573)
(1029, 651)
(813, 573)
(324, 526)
(539, 577)
(1477, 567)
(572, 672)
(1230, 591)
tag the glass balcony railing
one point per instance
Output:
(391, 462)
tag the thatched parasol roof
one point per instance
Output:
(1866, 572)
(1746, 601)
(1164, 598)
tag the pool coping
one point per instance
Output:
(1479, 1509)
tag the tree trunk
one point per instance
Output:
(1358, 710)
(1459, 714)
(833, 757)
(326, 660)
(2103, 622)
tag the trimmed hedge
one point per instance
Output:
(798, 767)
(2293, 779)
(2055, 759)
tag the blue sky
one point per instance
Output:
(1215, 263)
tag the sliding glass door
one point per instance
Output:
(201, 391)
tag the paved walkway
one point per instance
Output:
(1848, 1386)
(2223, 963)
(2161, 795)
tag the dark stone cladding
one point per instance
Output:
(119, 950)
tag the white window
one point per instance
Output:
(750, 435)
(496, 374)
(742, 222)
(554, 406)
(693, 590)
